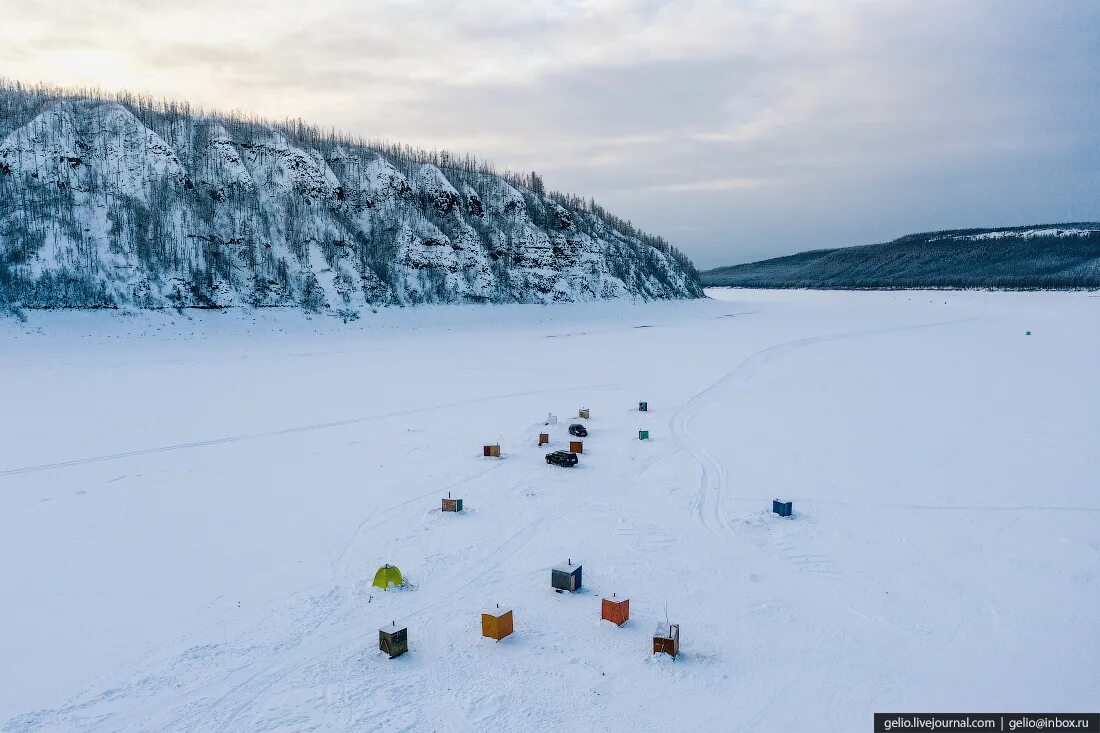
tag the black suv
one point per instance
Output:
(579, 430)
(562, 458)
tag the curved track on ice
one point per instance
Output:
(274, 433)
(713, 482)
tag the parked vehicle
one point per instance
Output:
(579, 430)
(562, 458)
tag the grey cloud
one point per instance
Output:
(738, 129)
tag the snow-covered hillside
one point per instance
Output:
(1045, 257)
(108, 203)
(192, 510)
(1023, 233)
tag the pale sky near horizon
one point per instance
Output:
(738, 130)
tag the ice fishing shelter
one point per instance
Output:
(666, 639)
(576, 446)
(452, 505)
(544, 438)
(643, 407)
(782, 508)
(393, 639)
(386, 576)
(584, 413)
(643, 435)
(496, 623)
(615, 610)
(492, 451)
(551, 419)
(566, 576)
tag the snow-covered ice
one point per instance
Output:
(192, 510)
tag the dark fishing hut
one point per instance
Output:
(393, 639)
(566, 576)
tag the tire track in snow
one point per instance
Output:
(957, 507)
(339, 565)
(713, 482)
(486, 562)
(285, 431)
(246, 694)
(239, 698)
(243, 696)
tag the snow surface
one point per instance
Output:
(193, 509)
(1022, 234)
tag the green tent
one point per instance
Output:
(386, 576)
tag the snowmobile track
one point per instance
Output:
(283, 431)
(711, 494)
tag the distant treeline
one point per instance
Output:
(1043, 257)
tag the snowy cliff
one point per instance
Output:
(117, 202)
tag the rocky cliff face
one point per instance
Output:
(106, 204)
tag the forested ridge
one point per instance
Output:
(125, 201)
(1040, 257)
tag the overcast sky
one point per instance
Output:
(737, 129)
